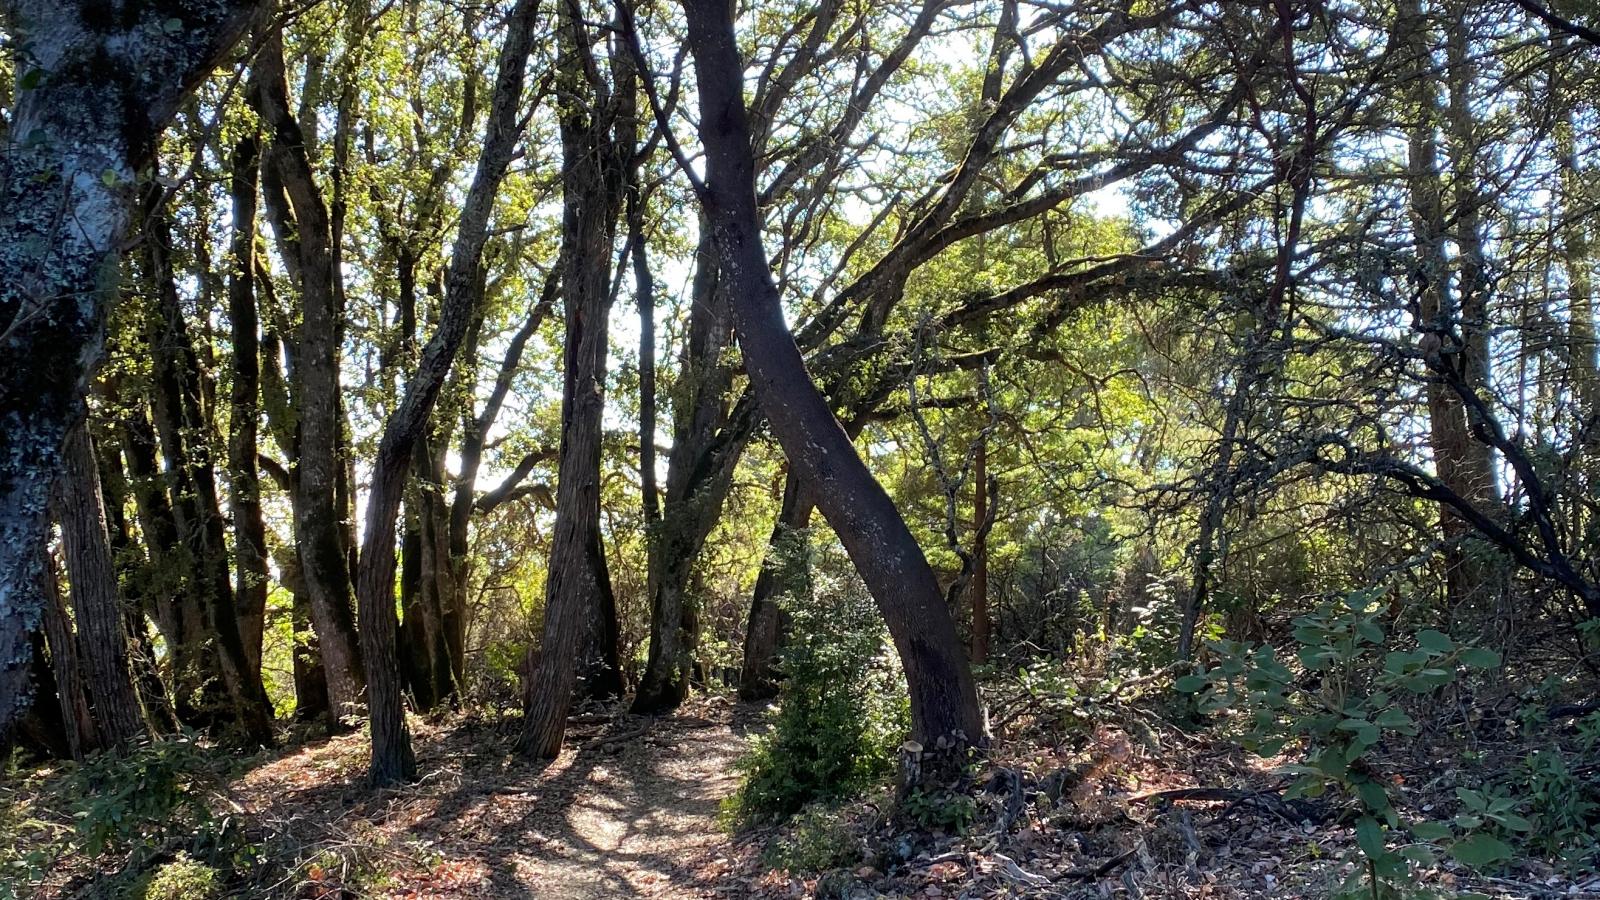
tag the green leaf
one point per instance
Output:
(1190, 684)
(1369, 835)
(30, 79)
(1393, 717)
(173, 25)
(1430, 831)
(1480, 850)
(1515, 822)
(1372, 631)
(1472, 799)
(1480, 658)
(1373, 796)
(1437, 641)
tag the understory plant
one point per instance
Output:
(842, 711)
(1346, 696)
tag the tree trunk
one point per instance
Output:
(94, 92)
(249, 528)
(1438, 315)
(185, 432)
(697, 484)
(763, 636)
(578, 587)
(944, 698)
(392, 759)
(96, 606)
(71, 694)
(302, 220)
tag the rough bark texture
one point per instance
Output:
(698, 479)
(944, 699)
(110, 77)
(578, 589)
(392, 759)
(249, 528)
(71, 694)
(303, 222)
(1450, 339)
(96, 606)
(763, 637)
(186, 432)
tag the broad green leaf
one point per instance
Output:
(1190, 684)
(1481, 850)
(1369, 835)
(1437, 641)
(1480, 658)
(1430, 831)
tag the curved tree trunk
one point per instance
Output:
(392, 759)
(944, 698)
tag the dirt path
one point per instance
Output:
(629, 818)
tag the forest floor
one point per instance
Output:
(1128, 806)
(629, 809)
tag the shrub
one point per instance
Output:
(1359, 679)
(183, 877)
(842, 711)
(819, 839)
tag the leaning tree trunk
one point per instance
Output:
(944, 697)
(392, 759)
(96, 606)
(94, 92)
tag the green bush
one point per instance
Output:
(842, 711)
(183, 877)
(138, 805)
(819, 839)
(1361, 679)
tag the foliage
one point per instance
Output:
(1348, 700)
(841, 711)
(818, 838)
(183, 877)
(945, 810)
(136, 806)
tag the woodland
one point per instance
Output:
(836, 448)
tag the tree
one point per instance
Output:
(392, 759)
(944, 699)
(579, 633)
(94, 94)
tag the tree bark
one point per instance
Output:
(302, 219)
(763, 636)
(944, 698)
(105, 88)
(697, 484)
(96, 605)
(186, 433)
(392, 759)
(249, 528)
(71, 694)
(578, 598)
